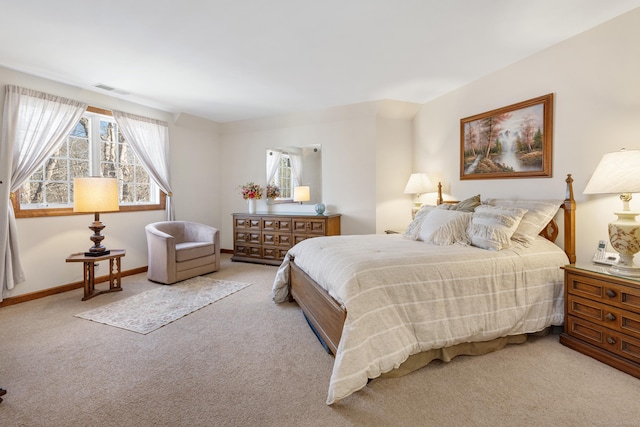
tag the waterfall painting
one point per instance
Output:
(509, 142)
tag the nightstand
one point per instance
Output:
(602, 316)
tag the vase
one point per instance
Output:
(319, 207)
(252, 206)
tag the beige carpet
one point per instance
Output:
(150, 310)
(245, 361)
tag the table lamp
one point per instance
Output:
(418, 184)
(619, 173)
(95, 194)
(301, 194)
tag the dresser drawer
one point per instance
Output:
(605, 338)
(608, 316)
(608, 292)
(248, 251)
(248, 237)
(274, 253)
(276, 224)
(246, 223)
(276, 239)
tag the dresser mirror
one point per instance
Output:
(292, 166)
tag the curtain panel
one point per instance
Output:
(149, 140)
(273, 163)
(35, 124)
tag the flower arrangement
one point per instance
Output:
(273, 191)
(251, 191)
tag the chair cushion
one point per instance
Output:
(191, 250)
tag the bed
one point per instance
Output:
(388, 304)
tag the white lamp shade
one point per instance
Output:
(301, 194)
(95, 194)
(617, 173)
(418, 183)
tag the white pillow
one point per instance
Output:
(444, 227)
(413, 230)
(492, 226)
(539, 213)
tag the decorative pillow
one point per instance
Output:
(539, 213)
(492, 226)
(467, 205)
(442, 227)
(413, 230)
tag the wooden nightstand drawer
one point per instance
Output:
(605, 338)
(609, 292)
(604, 315)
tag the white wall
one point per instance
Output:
(394, 136)
(595, 77)
(46, 242)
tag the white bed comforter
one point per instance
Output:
(404, 296)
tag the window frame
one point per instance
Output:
(66, 211)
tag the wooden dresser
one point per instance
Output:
(602, 316)
(265, 238)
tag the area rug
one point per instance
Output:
(150, 310)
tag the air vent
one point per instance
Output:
(111, 89)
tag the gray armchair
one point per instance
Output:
(179, 250)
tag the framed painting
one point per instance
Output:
(509, 142)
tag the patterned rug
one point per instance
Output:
(150, 310)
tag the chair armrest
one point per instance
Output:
(155, 233)
(161, 261)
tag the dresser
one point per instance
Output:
(602, 316)
(265, 238)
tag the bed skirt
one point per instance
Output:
(420, 360)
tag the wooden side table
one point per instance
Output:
(602, 316)
(89, 271)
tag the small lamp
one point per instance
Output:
(418, 184)
(619, 173)
(301, 194)
(95, 194)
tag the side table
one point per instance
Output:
(602, 316)
(89, 271)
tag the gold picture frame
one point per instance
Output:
(509, 142)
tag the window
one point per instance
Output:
(94, 147)
(283, 178)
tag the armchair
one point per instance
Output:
(179, 250)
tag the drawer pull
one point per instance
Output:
(610, 293)
(611, 340)
(610, 317)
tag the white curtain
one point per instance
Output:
(295, 155)
(149, 140)
(35, 124)
(273, 163)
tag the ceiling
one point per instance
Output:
(228, 60)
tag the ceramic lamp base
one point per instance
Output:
(624, 235)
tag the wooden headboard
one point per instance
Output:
(552, 230)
